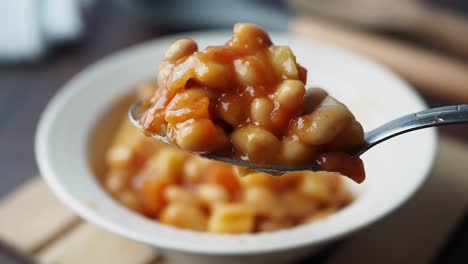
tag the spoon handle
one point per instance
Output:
(440, 116)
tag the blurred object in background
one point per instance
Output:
(29, 27)
(435, 25)
(189, 14)
(415, 18)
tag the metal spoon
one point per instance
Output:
(440, 116)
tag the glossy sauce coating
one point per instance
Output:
(247, 99)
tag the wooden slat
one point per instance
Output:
(417, 231)
(31, 217)
(429, 71)
(90, 244)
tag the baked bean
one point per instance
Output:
(257, 179)
(345, 164)
(180, 49)
(321, 215)
(262, 199)
(117, 179)
(143, 148)
(201, 136)
(255, 144)
(230, 109)
(261, 111)
(249, 70)
(212, 194)
(342, 195)
(194, 170)
(280, 118)
(313, 98)
(243, 171)
(169, 162)
(302, 72)
(129, 200)
(288, 181)
(150, 189)
(294, 152)
(214, 75)
(298, 205)
(176, 194)
(315, 185)
(224, 175)
(232, 218)
(283, 62)
(180, 73)
(351, 137)
(325, 123)
(119, 156)
(184, 216)
(290, 94)
(188, 104)
(249, 37)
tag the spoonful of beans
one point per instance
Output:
(440, 116)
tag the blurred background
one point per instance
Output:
(44, 43)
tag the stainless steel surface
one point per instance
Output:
(440, 116)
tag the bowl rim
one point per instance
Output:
(68, 90)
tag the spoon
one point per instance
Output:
(440, 116)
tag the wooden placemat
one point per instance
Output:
(35, 225)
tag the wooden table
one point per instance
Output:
(25, 90)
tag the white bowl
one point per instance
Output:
(395, 169)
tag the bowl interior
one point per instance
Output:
(70, 147)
